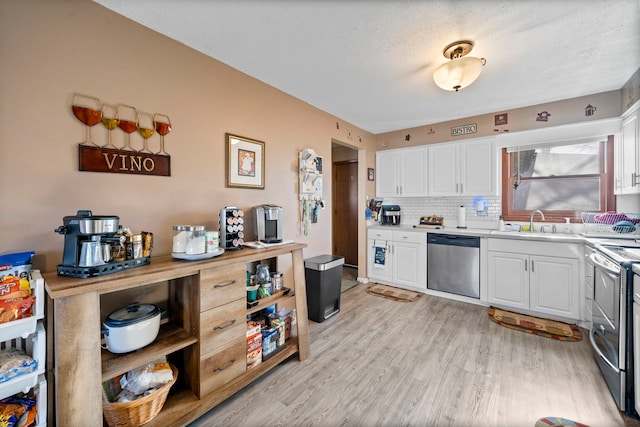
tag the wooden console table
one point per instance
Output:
(196, 290)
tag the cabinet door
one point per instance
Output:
(508, 279)
(413, 172)
(410, 265)
(443, 169)
(387, 174)
(478, 174)
(555, 286)
(628, 158)
(380, 270)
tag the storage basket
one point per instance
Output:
(139, 411)
(598, 223)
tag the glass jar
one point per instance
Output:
(180, 238)
(196, 242)
(262, 274)
(276, 281)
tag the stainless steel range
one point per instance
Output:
(612, 331)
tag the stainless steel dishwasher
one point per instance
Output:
(453, 264)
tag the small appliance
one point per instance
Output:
(390, 215)
(269, 223)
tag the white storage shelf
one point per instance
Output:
(29, 335)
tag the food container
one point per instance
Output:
(196, 242)
(132, 327)
(213, 241)
(276, 281)
(252, 293)
(180, 237)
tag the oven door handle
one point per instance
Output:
(592, 338)
(594, 258)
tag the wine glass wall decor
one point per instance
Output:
(132, 157)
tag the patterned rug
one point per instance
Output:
(395, 294)
(557, 422)
(535, 325)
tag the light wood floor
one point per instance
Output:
(434, 362)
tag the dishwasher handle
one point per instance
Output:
(453, 240)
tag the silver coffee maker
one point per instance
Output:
(269, 223)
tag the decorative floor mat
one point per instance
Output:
(395, 294)
(535, 325)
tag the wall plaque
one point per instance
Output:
(97, 159)
(464, 129)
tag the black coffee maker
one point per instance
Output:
(390, 215)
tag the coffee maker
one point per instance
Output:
(269, 223)
(390, 215)
(86, 243)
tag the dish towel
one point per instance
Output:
(379, 253)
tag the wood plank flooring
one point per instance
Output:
(433, 362)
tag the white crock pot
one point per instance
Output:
(132, 327)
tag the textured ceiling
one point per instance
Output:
(370, 62)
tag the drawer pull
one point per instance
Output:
(224, 285)
(226, 366)
(225, 326)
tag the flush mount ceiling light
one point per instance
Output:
(462, 70)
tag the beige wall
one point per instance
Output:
(49, 50)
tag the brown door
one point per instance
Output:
(345, 211)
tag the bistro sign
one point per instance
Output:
(464, 129)
(96, 159)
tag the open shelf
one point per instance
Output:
(183, 406)
(269, 301)
(171, 338)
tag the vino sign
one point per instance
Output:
(97, 159)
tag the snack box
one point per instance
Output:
(254, 350)
(253, 328)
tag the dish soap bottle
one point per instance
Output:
(501, 224)
(567, 225)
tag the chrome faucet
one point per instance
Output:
(531, 219)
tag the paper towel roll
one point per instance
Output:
(462, 217)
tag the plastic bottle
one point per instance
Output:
(567, 225)
(501, 224)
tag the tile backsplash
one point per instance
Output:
(414, 208)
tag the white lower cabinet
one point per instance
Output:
(398, 258)
(536, 276)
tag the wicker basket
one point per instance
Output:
(139, 411)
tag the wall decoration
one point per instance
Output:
(310, 177)
(407, 137)
(501, 119)
(244, 162)
(93, 157)
(464, 129)
(370, 174)
(543, 117)
(431, 131)
(589, 110)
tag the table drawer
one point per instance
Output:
(221, 285)
(223, 366)
(221, 325)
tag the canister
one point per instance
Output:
(180, 237)
(213, 241)
(276, 281)
(134, 246)
(196, 243)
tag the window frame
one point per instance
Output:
(607, 197)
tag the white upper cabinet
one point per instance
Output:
(466, 168)
(627, 155)
(402, 173)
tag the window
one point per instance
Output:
(561, 179)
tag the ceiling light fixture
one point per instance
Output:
(462, 70)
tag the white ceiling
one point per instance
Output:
(370, 62)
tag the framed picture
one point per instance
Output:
(244, 162)
(371, 176)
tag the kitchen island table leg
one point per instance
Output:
(300, 289)
(77, 360)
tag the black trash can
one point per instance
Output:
(323, 275)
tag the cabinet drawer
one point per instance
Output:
(221, 285)
(380, 234)
(409, 237)
(221, 325)
(223, 366)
